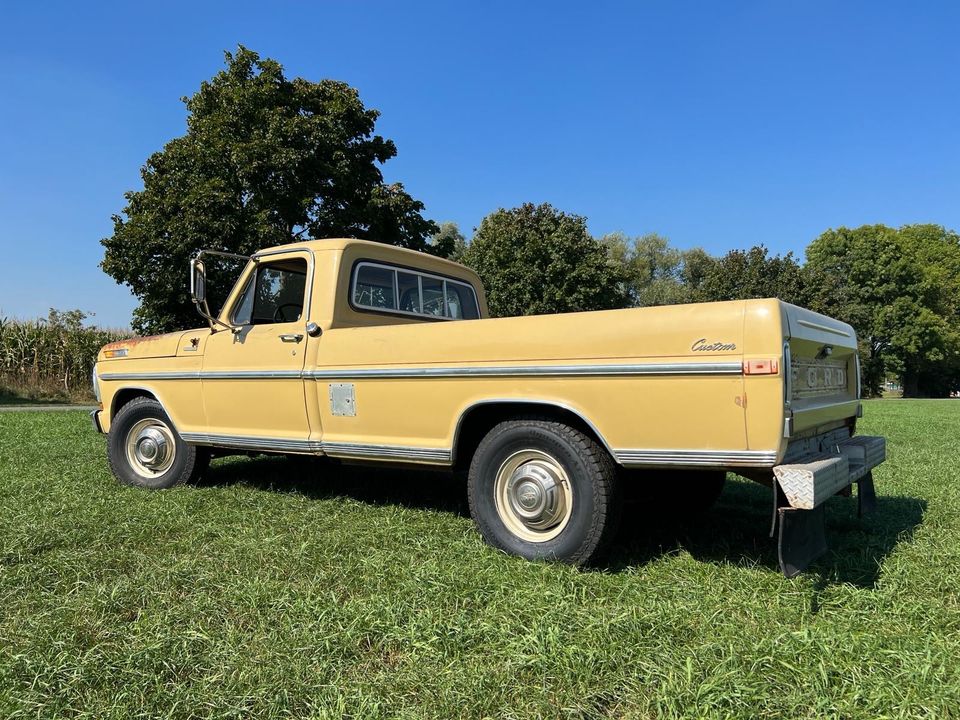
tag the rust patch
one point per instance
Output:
(130, 342)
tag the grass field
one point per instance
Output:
(266, 593)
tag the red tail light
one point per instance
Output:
(761, 367)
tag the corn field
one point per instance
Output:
(53, 356)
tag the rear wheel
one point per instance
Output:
(145, 450)
(543, 490)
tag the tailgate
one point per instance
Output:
(822, 385)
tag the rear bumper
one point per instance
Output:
(95, 417)
(808, 484)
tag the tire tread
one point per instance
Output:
(603, 482)
(195, 460)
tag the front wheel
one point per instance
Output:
(543, 490)
(145, 450)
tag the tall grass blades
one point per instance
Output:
(52, 357)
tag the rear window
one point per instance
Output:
(384, 288)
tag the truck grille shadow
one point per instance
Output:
(736, 531)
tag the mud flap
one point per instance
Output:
(800, 534)
(800, 539)
(866, 495)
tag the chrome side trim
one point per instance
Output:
(208, 375)
(692, 368)
(696, 458)
(338, 450)
(173, 375)
(400, 452)
(628, 458)
(246, 442)
(250, 374)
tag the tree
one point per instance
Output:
(535, 259)
(900, 289)
(744, 274)
(654, 272)
(448, 242)
(265, 161)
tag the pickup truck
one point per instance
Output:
(369, 353)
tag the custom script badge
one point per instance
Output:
(703, 345)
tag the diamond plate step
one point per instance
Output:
(808, 484)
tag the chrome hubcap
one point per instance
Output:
(533, 495)
(151, 448)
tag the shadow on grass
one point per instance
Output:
(316, 478)
(736, 531)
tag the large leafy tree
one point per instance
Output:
(900, 289)
(654, 273)
(448, 242)
(266, 160)
(744, 274)
(535, 259)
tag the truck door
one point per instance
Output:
(252, 387)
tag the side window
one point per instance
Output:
(461, 302)
(373, 287)
(274, 294)
(433, 296)
(408, 292)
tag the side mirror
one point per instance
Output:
(198, 282)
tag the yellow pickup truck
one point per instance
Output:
(369, 353)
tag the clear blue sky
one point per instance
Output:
(716, 124)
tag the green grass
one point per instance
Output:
(354, 593)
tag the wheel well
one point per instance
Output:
(480, 419)
(122, 397)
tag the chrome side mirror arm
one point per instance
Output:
(198, 287)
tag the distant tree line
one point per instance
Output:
(268, 160)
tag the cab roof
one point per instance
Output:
(372, 250)
(342, 244)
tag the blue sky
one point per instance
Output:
(716, 124)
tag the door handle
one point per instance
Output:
(291, 337)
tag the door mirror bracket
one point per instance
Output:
(198, 287)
